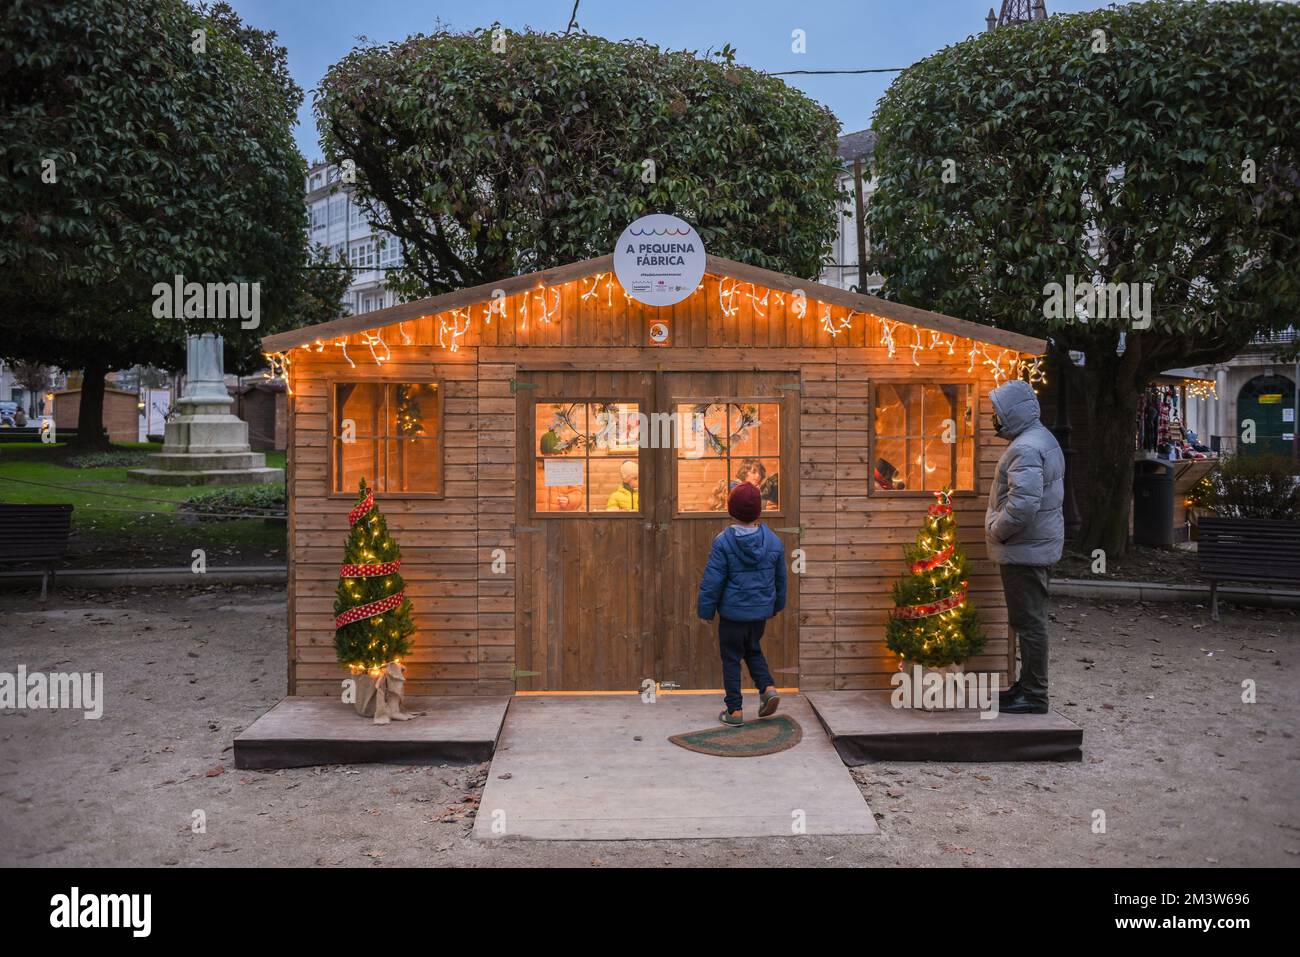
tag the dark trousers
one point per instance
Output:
(1026, 590)
(739, 639)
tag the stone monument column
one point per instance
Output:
(206, 444)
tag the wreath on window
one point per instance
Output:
(563, 434)
(749, 419)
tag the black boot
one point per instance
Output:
(1022, 704)
(1007, 695)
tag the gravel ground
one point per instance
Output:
(1177, 566)
(1185, 773)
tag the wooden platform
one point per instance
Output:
(301, 731)
(601, 768)
(864, 727)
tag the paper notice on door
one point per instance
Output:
(563, 472)
(1288, 414)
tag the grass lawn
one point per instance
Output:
(119, 522)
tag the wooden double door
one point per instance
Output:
(622, 479)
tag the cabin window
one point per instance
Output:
(585, 457)
(923, 437)
(721, 444)
(390, 434)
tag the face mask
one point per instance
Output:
(997, 423)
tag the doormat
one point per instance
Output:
(754, 738)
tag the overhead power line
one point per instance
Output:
(883, 69)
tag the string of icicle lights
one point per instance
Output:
(542, 304)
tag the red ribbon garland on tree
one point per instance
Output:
(934, 561)
(362, 510)
(935, 608)
(370, 609)
(370, 571)
(941, 507)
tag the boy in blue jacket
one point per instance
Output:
(744, 584)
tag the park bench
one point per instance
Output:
(1246, 549)
(31, 433)
(35, 533)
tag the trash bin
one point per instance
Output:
(1153, 503)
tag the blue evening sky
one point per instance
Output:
(841, 34)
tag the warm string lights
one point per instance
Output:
(452, 327)
(609, 289)
(278, 364)
(729, 290)
(372, 339)
(833, 327)
(1201, 389)
(342, 343)
(542, 304)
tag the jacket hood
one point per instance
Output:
(1016, 405)
(747, 549)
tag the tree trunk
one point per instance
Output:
(90, 414)
(1112, 392)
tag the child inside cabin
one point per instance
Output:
(744, 584)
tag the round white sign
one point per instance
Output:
(659, 259)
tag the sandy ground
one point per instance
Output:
(1184, 771)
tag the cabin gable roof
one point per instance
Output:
(714, 265)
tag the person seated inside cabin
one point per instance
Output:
(565, 498)
(755, 473)
(624, 498)
(884, 476)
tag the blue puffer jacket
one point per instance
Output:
(1024, 524)
(744, 579)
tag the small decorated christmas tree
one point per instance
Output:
(373, 624)
(932, 623)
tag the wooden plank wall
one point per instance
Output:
(439, 537)
(466, 613)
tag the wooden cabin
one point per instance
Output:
(503, 425)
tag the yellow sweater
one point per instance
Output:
(622, 499)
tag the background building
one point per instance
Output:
(1254, 385)
(841, 268)
(338, 223)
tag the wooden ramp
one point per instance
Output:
(301, 731)
(602, 768)
(864, 727)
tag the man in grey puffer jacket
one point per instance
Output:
(1025, 530)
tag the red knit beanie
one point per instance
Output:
(744, 503)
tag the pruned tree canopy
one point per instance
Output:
(1154, 144)
(140, 142)
(495, 153)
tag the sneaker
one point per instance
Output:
(732, 718)
(1022, 704)
(770, 701)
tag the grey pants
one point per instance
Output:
(1026, 590)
